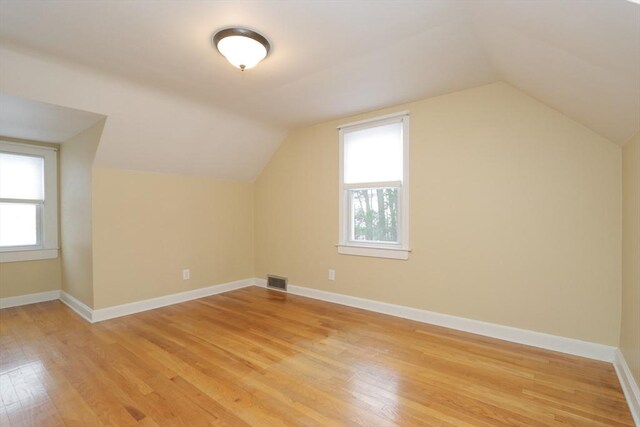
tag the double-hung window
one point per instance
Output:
(28, 202)
(374, 193)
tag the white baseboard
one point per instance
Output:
(98, 315)
(29, 299)
(149, 304)
(522, 336)
(629, 385)
(76, 305)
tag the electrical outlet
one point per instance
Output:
(332, 274)
(186, 274)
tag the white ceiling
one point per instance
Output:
(579, 57)
(27, 119)
(336, 58)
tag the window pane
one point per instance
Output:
(374, 214)
(21, 177)
(18, 224)
(373, 154)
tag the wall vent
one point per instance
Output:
(277, 282)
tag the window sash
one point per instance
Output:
(39, 225)
(349, 236)
(365, 185)
(373, 153)
(27, 201)
(28, 153)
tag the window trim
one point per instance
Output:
(345, 246)
(48, 244)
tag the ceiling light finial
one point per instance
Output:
(242, 47)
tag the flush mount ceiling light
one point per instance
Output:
(243, 48)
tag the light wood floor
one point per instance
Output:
(264, 358)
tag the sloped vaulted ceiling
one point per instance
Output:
(330, 59)
(580, 57)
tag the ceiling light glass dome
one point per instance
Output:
(243, 48)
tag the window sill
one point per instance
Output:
(375, 252)
(28, 255)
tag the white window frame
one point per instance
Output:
(346, 246)
(47, 246)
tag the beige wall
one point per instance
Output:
(515, 219)
(76, 160)
(515, 216)
(30, 277)
(630, 330)
(147, 227)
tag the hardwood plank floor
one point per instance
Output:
(255, 357)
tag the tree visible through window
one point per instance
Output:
(375, 214)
